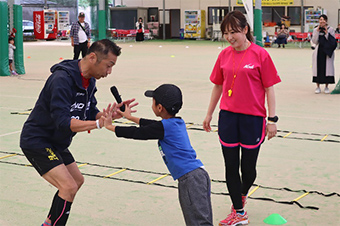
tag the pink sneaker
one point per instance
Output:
(46, 224)
(14, 73)
(244, 201)
(235, 219)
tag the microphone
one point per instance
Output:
(115, 93)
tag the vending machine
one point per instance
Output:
(312, 18)
(45, 24)
(194, 24)
(63, 20)
(63, 24)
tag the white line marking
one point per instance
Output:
(6, 134)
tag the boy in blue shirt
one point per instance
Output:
(175, 148)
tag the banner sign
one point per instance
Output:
(250, 13)
(270, 2)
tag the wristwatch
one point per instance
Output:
(273, 119)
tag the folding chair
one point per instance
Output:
(301, 38)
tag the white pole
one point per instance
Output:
(302, 17)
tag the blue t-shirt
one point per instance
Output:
(173, 142)
(176, 150)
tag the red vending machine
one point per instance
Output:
(45, 24)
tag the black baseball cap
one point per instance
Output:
(81, 14)
(169, 96)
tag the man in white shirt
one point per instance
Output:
(80, 36)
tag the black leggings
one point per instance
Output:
(236, 187)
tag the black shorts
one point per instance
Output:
(235, 129)
(45, 159)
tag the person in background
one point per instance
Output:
(80, 36)
(337, 30)
(11, 48)
(282, 36)
(323, 55)
(13, 32)
(140, 30)
(244, 75)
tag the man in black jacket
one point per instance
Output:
(66, 105)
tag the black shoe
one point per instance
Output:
(283, 46)
(279, 46)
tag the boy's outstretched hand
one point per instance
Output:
(128, 110)
(113, 112)
(127, 113)
(117, 113)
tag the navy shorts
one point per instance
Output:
(45, 159)
(235, 129)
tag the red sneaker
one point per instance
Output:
(235, 219)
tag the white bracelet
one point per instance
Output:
(271, 123)
(97, 123)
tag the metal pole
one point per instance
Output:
(77, 8)
(163, 19)
(302, 17)
(19, 51)
(229, 5)
(4, 70)
(258, 22)
(101, 20)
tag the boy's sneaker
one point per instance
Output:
(327, 90)
(244, 201)
(235, 219)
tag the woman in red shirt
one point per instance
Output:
(244, 74)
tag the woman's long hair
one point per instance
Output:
(237, 22)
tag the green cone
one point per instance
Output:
(275, 219)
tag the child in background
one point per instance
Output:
(11, 48)
(175, 148)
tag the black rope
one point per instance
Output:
(158, 173)
(118, 167)
(27, 112)
(311, 139)
(305, 191)
(190, 124)
(171, 186)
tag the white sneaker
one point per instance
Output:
(327, 90)
(317, 90)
